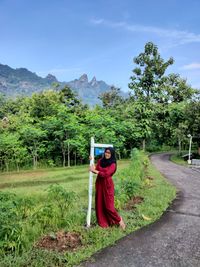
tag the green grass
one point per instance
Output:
(34, 183)
(178, 160)
(157, 193)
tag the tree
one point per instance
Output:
(112, 98)
(11, 150)
(192, 112)
(175, 89)
(34, 139)
(43, 104)
(68, 97)
(146, 78)
(146, 85)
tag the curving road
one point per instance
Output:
(174, 240)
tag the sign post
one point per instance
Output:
(98, 152)
(90, 182)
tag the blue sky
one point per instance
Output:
(99, 38)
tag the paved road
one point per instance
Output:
(174, 240)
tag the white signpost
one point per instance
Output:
(92, 147)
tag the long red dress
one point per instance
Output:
(104, 198)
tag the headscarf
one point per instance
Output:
(107, 162)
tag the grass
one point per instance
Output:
(158, 193)
(178, 160)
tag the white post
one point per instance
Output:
(90, 183)
(92, 146)
(189, 160)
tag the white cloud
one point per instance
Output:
(97, 21)
(192, 66)
(178, 37)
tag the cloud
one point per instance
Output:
(97, 21)
(192, 66)
(178, 37)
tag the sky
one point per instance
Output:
(68, 38)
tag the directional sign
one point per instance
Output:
(98, 151)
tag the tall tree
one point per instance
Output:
(111, 98)
(146, 84)
(146, 78)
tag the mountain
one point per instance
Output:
(89, 90)
(15, 82)
(21, 81)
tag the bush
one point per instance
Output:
(21, 222)
(12, 210)
(130, 180)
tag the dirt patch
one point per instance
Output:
(133, 201)
(61, 241)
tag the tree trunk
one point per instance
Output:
(7, 166)
(63, 154)
(64, 157)
(75, 158)
(34, 162)
(35, 156)
(68, 154)
(17, 166)
(179, 146)
(144, 144)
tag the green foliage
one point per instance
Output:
(41, 214)
(63, 199)
(21, 221)
(112, 98)
(130, 181)
(53, 128)
(154, 94)
(14, 211)
(147, 77)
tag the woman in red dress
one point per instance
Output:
(104, 198)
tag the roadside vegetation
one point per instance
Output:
(35, 218)
(178, 159)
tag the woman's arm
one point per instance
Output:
(93, 169)
(108, 171)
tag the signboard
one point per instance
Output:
(97, 148)
(98, 151)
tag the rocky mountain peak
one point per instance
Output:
(21, 81)
(84, 78)
(51, 78)
(93, 82)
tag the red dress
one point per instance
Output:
(104, 198)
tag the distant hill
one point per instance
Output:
(16, 82)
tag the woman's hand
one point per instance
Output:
(92, 169)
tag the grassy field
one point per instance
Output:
(34, 183)
(135, 178)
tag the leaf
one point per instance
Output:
(146, 218)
